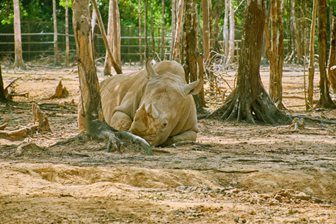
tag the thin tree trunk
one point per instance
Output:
(311, 67)
(113, 29)
(88, 80)
(191, 52)
(17, 35)
(116, 67)
(231, 34)
(173, 25)
(94, 36)
(55, 33)
(275, 52)
(139, 31)
(249, 101)
(162, 30)
(146, 29)
(179, 32)
(332, 56)
(226, 30)
(297, 26)
(152, 27)
(67, 44)
(325, 100)
(206, 30)
(2, 88)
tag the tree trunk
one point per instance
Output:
(115, 65)
(214, 28)
(297, 27)
(55, 33)
(231, 34)
(332, 56)
(226, 30)
(152, 27)
(113, 29)
(249, 101)
(146, 29)
(191, 52)
(90, 107)
(325, 100)
(275, 52)
(2, 88)
(67, 43)
(139, 31)
(206, 30)
(179, 32)
(95, 37)
(162, 53)
(173, 25)
(88, 80)
(17, 35)
(311, 67)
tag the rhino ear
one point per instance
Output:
(150, 70)
(192, 88)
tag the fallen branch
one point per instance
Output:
(3, 126)
(20, 133)
(40, 124)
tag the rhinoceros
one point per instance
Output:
(155, 103)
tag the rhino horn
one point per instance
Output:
(193, 88)
(150, 70)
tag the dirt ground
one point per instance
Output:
(235, 173)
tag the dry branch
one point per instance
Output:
(40, 124)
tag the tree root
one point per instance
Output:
(101, 130)
(261, 109)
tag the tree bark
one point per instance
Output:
(325, 99)
(17, 35)
(249, 101)
(191, 51)
(2, 88)
(275, 52)
(88, 80)
(67, 43)
(146, 29)
(173, 25)
(162, 53)
(139, 31)
(332, 56)
(113, 30)
(206, 30)
(226, 30)
(115, 65)
(311, 67)
(231, 34)
(152, 27)
(56, 56)
(179, 32)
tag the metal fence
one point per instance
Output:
(39, 45)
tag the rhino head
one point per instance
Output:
(162, 105)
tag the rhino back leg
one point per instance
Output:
(120, 121)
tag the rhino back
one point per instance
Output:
(122, 93)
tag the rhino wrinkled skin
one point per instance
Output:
(155, 103)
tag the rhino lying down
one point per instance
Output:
(155, 104)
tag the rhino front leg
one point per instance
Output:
(120, 121)
(187, 136)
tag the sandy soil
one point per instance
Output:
(235, 173)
